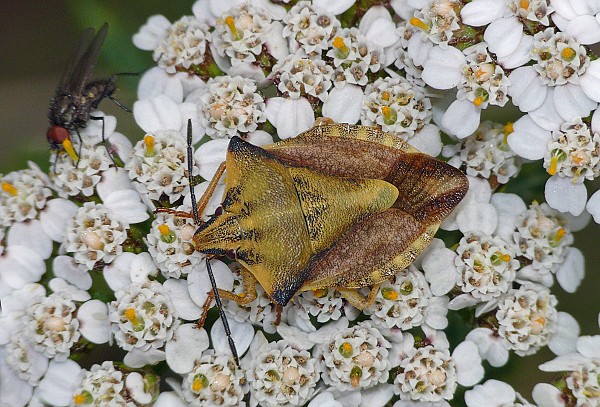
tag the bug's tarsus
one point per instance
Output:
(213, 283)
(104, 142)
(278, 310)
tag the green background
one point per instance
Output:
(36, 42)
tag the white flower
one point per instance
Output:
(59, 383)
(297, 77)
(159, 166)
(487, 266)
(231, 105)
(560, 59)
(485, 154)
(280, 374)
(527, 318)
(405, 301)
(438, 20)
(142, 317)
(106, 384)
(214, 381)
(324, 304)
(353, 57)
(309, 27)
(241, 33)
(183, 46)
(397, 106)
(170, 245)
(354, 358)
(25, 360)
(579, 22)
(24, 193)
(52, 326)
(93, 236)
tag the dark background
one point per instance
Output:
(36, 42)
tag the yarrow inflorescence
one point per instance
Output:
(103, 249)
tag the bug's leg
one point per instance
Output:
(201, 204)
(358, 300)
(245, 297)
(173, 212)
(104, 142)
(80, 146)
(278, 310)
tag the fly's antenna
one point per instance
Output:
(211, 276)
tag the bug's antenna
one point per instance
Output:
(211, 276)
(190, 157)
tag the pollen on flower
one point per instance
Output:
(9, 188)
(230, 22)
(478, 101)
(79, 399)
(149, 144)
(417, 22)
(389, 294)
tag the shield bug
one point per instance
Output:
(339, 206)
(77, 96)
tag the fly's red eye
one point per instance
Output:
(58, 134)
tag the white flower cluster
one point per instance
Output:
(102, 251)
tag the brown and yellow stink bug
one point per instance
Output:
(339, 206)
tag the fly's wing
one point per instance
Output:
(86, 54)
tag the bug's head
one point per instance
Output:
(59, 136)
(219, 235)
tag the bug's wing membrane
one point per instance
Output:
(78, 75)
(390, 252)
(82, 46)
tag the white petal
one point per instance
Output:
(157, 81)
(136, 388)
(541, 276)
(571, 102)
(59, 383)
(15, 391)
(564, 363)
(440, 271)
(528, 140)
(482, 12)
(437, 313)
(295, 116)
(117, 274)
(479, 217)
(93, 321)
(461, 119)
(199, 283)
(590, 81)
(137, 358)
(564, 196)
(126, 207)
(489, 346)
(157, 113)
(571, 272)
(151, 33)
(546, 395)
(187, 345)
(377, 396)
(564, 8)
(343, 105)
(141, 268)
(324, 399)
(427, 140)
(64, 267)
(508, 207)
(260, 138)
(503, 36)
(276, 44)
(442, 68)
(210, 155)
(596, 121)
(585, 29)
(54, 217)
(242, 334)
(546, 115)
(334, 6)
(519, 56)
(526, 89)
(170, 398)
(593, 206)
(381, 31)
(272, 108)
(564, 339)
(589, 346)
(418, 49)
(20, 265)
(179, 294)
(462, 301)
(492, 390)
(31, 235)
(469, 370)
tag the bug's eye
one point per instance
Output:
(230, 253)
(219, 211)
